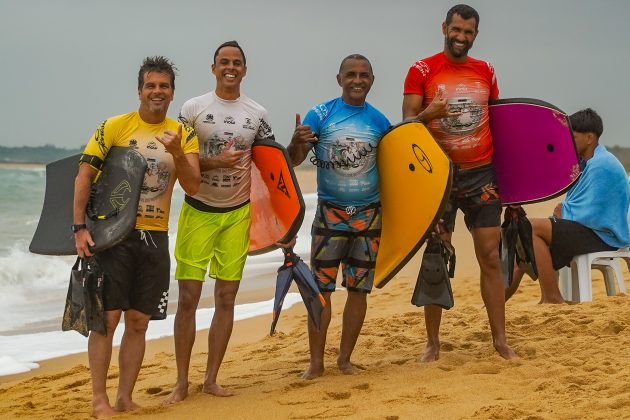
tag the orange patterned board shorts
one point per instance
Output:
(348, 236)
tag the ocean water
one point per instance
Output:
(34, 287)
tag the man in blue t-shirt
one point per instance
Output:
(343, 134)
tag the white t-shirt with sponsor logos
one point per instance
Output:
(221, 123)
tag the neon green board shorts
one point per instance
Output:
(218, 239)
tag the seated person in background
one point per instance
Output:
(593, 217)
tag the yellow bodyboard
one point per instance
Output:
(415, 183)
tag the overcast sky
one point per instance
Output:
(66, 65)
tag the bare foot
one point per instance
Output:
(178, 394)
(312, 373)
(216, 390)
(122, 405)
(505, 351)
(347, 368)
(102, 410)
(431, 354)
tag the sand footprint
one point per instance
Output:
(338, 395)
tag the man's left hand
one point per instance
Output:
(172, 141)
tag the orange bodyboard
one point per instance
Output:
(276, 199)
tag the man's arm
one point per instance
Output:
(186, 165)
(82, 184)
(188, 173)
(302, 142)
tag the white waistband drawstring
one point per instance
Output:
(143, 237)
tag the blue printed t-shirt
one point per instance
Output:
(345, 153)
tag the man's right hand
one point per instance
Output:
(83, 241)
(303, 136)
(228, 158)
(438, 108)
(302, 141)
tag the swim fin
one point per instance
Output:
(433, 286)
(525, 257)
(507, 246)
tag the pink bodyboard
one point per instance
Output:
(535, 158)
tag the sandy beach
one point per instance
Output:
(573, 361)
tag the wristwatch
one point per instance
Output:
(76, 228)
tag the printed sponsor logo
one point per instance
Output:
(99, 136)
(264, 130)
(248, 124)
(422, 67)
(209, 119)
(229, 120)
(321, 111)
(133, 143)
(152, 145)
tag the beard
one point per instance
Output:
(455, 51)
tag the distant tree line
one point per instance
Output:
(37, 154)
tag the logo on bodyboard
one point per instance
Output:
(422, 158)
(282, 186)
(117, 197)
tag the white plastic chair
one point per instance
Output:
(576, 281)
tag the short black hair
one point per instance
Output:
(355, 57)
(465, 11)
(229, 44)
(587, 121)
(158, 64)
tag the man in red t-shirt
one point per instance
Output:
(449, 92)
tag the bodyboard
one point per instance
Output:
(535, 158)
(415, 183)
(277, 206)
(112, 209)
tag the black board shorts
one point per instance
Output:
(137, 273)
(569, 238)
(475, 192)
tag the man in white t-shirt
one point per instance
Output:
(214, 224)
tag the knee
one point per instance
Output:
(112, 318)
(489, 258)
(224, 299)
(357, 297)
(136, 322)
(111, 325)
(187, 303)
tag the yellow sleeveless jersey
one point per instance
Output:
(129, 130)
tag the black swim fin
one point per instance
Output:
(525, 257)
(507, 246)
(433, 286)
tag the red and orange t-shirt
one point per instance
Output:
(467, 87)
